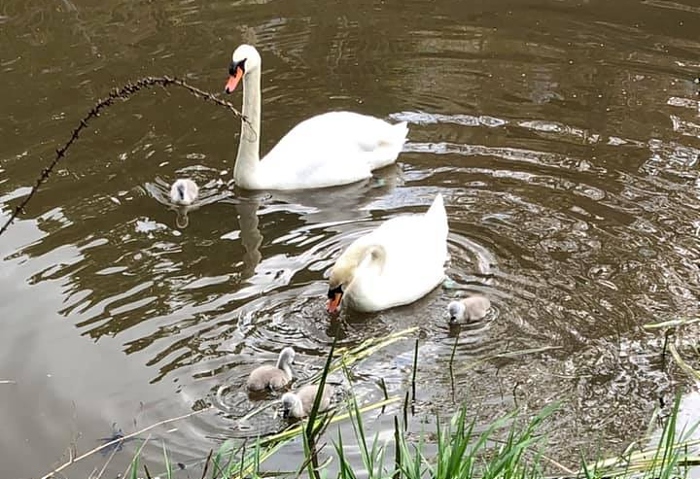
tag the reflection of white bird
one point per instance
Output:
(472, 308)
(334, 148)
(273, 377)
(397, 263)
(299, 404)
(184, 191)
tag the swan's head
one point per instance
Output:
(184, 192)
(245, 59)
(346, 268)
(291, 405)
(335, 289)
(286, 358)
(456, 311)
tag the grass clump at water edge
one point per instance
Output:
(507, 448)
(458, 451)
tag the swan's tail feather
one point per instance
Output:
(401, 132)
(437, 216)
(390, 145)
(437, 209)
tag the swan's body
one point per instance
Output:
(273, 377)
(397, 263)
(299, 404)
(330, 149)
(472, 308)
(184, 192)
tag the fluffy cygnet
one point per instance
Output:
(470, 309)
(273, 377)
(299, 404)
(184, 191)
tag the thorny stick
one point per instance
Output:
(122, 93)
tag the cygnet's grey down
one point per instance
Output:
(299, 404)
(273, 377)
(470, 309)
(184, 191)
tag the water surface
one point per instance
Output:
(562, 134)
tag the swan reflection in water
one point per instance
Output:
(334, 209)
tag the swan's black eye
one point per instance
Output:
(235, 66)
(334, 291)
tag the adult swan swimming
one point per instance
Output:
(397, 263)
(334, 148)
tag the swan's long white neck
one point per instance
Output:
(245, 169)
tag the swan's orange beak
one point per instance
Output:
(334, 304)
(233, 80)
(334, 297)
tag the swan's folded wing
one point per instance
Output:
(333, 148)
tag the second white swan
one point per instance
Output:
(397, 263)
(334, 148)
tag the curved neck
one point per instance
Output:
(283, 364)
(249, 145)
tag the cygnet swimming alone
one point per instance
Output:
(471, 309)
(184, 191)
(273, 377)
(299, 404)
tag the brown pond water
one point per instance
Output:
(563, 135)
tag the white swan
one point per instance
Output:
(334, 148)
(273, 377)
(184, 191)
(299, 404)
(472, 308)
(397, 263)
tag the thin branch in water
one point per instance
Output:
(109, 459)
(134, 464)
(120, 440)
(382, 385)
(452, 373)
(206, 463)
(415, 368)
(397, 449)
(667, 334)
(122, 93)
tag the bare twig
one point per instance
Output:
(206, 463)
(133, 465)
(119, 440)
(122, 93)
(104, 467)
(415, 369)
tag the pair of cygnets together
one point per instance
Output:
(274, 378)
(299, 404)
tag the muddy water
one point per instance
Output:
(563, 135)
